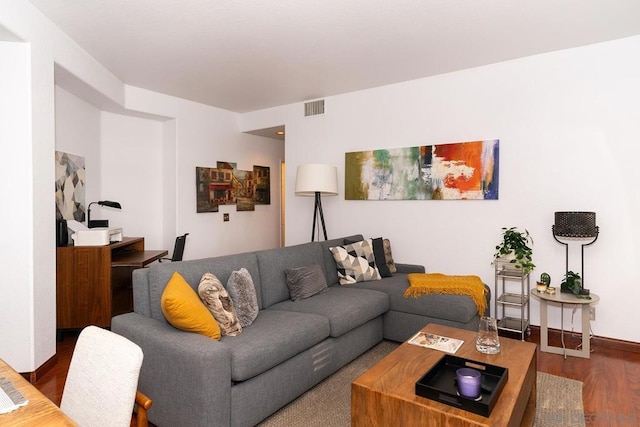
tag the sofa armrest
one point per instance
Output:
(187, 375)
(410, 268)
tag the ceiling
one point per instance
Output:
(254, 54)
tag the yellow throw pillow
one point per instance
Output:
(183, 308)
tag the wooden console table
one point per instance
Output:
(93, 283)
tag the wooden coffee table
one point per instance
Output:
(385, 394)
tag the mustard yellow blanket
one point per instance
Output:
(437, 283)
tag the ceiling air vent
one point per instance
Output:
(313, 108)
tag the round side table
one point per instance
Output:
(562, 299)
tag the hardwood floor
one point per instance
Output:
(611, 377)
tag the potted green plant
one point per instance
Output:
(573, 283)
(515, 249)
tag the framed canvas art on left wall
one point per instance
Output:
(70, 185)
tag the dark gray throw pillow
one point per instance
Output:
(305, 282)
(381, 262)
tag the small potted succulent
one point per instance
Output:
(515, 249)
(543, 283)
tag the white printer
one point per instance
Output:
(100, 236)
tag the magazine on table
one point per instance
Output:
(436, 342)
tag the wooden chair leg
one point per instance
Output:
(143, 404)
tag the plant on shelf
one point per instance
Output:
(515, 249)
(573, 283)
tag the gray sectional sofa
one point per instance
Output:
(290, 347)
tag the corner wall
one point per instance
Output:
(33, 337)
(112, 120)
(17, 303)
(205, 135)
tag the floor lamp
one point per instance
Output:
(317, 180)
(575, 226)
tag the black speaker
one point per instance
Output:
(62, 233)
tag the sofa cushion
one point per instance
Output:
(305, 282)
(183, 309)
(243, 293)
(345, 308)
(192, 271)
(457, 308)
(275, 336)
(355, 262)
(219, 303)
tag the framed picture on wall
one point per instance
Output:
(70, 187)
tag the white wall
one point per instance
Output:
(78, 133)
(131, 155)
(149, 167)
(16, 326)
(567, 123)
(205, 135)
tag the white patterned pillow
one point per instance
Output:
(217, 300)
(355, 262)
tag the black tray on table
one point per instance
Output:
(439, 384)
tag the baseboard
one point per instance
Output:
(596, 341)
(34, 376)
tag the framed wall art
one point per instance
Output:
(70, 186)
(227, 185)
(456, 171)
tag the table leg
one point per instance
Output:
(564, 347)
(544, 329)
(586, 330)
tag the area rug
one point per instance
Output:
(559, 399)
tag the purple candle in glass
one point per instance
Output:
(468, 382)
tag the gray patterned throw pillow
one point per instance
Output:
(305, 282)
(243, 293)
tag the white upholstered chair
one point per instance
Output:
(102, 381)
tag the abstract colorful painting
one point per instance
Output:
(457, 171)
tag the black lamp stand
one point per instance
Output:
(566, 251)
(317, 210)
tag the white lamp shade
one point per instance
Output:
(314, 178)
